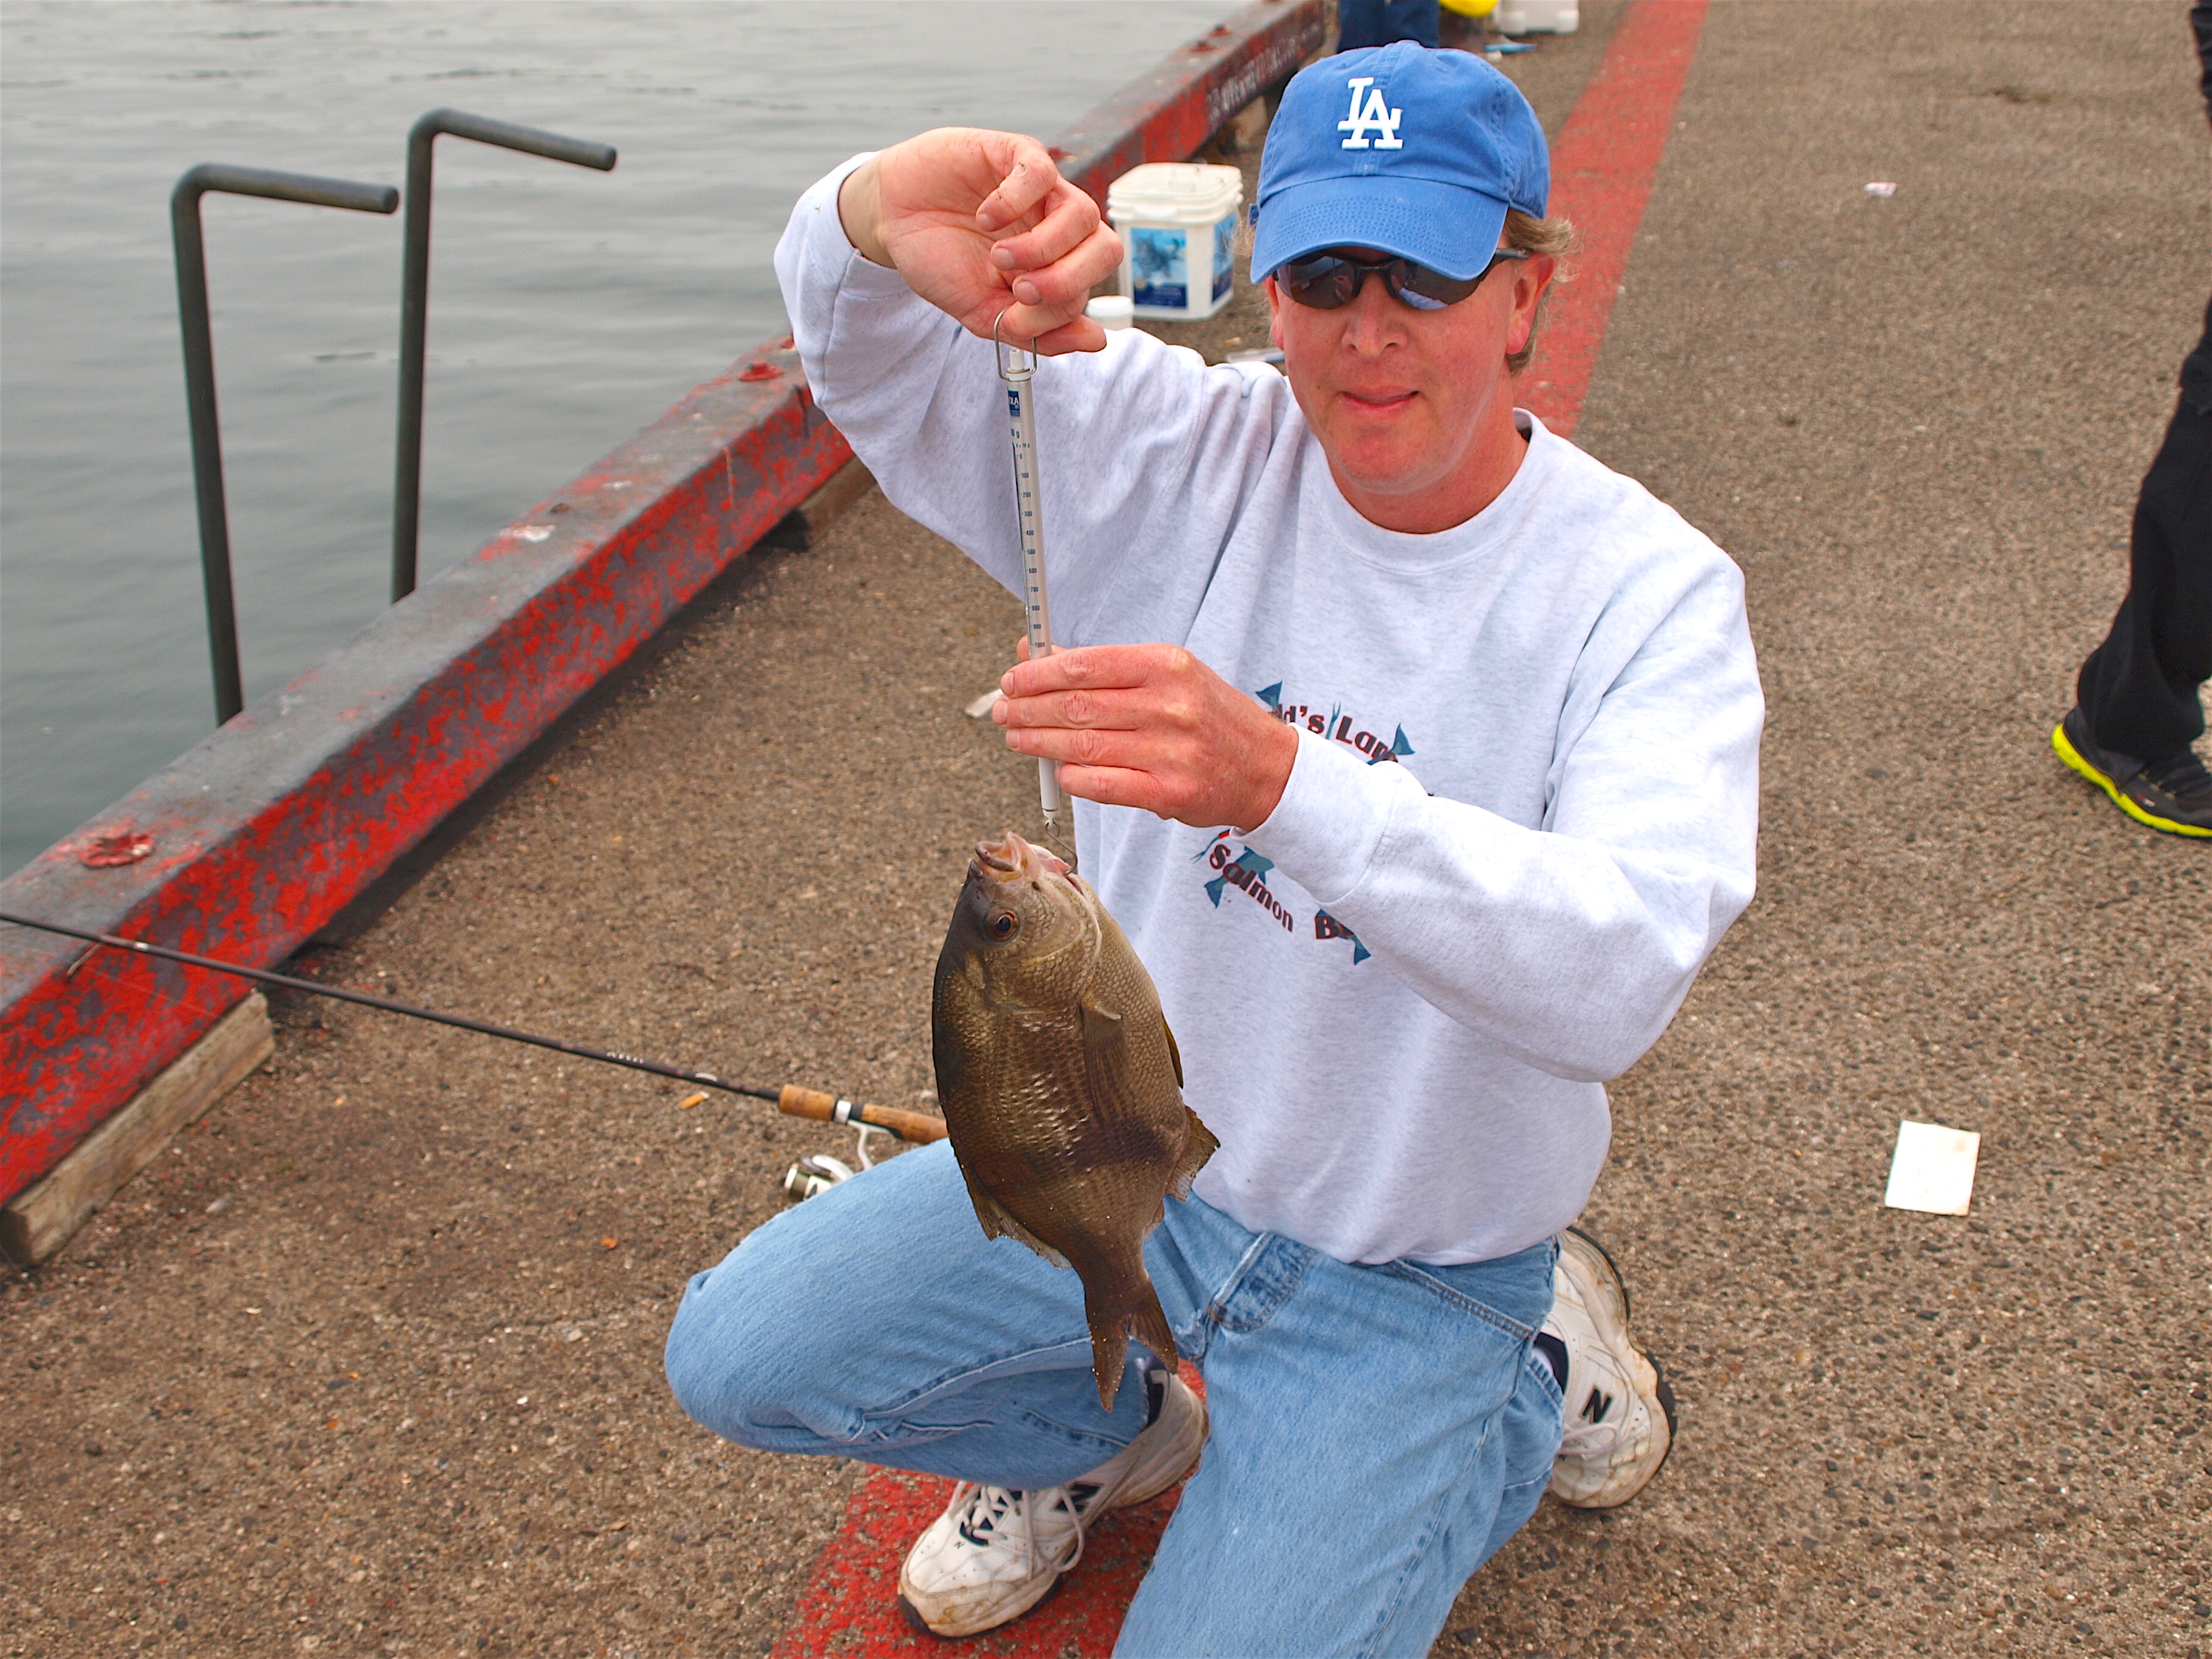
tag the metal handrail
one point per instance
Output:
(415, 299)
(199, 376)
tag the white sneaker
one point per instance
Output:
(995, 1552)
(1620, 1411)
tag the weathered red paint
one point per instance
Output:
(105, 852)
(1170, 114)
(268, 827)
(853, 1595)
(1602, 170)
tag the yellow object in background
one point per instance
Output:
(1470, 8)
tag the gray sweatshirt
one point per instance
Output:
(1525, 800)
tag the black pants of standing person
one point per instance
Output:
(1378, 23)
(2138, 691)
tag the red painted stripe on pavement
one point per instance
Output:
(851, 1604)
(1602, 170)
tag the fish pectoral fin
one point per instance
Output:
(1105, 1049)
(1175, 1054)
(1198, 1146)
(997, 1224)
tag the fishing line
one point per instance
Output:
(790, 1099)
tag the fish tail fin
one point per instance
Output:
(1198, 1146)
(1137, 1313)
(1150, 1328)
(1109, 1354)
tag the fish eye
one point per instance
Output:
(1002, 926)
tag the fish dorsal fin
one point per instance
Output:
(1175, 1054)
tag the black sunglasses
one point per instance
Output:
(1327, 281)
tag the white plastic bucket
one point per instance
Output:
(1177, 222)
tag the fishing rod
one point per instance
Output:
(790, 1099)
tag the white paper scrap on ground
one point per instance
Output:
(1934, 1169)
(1882, 188)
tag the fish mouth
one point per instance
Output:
(1010, 874)
(1012, 859)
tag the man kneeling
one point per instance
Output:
(1473, 718)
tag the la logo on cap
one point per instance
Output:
(1376, 117)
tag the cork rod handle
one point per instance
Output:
(918, 1127)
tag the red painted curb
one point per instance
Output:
(1603, 171)
(264, 830)
(1167, 114)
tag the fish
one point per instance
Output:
(1062, 1089)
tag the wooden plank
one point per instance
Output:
(846, 485)
(42, 1220)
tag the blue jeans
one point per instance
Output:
(1378, 1432)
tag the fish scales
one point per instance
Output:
(1062, 1088)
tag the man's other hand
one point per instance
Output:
(980, 223)
(1149, 726)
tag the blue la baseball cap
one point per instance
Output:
(1403, 150)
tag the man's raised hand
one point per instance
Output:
(980, 224)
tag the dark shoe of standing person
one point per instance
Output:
(2175, 795)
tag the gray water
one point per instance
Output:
(567, 307)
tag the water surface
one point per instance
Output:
(567, 307)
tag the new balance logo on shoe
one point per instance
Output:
(1376, 117)
(1616, 1441)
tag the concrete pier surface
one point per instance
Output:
(371, 1365)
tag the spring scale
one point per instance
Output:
(1016, 367)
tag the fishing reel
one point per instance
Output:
(818, 1172)
(815, 1173)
